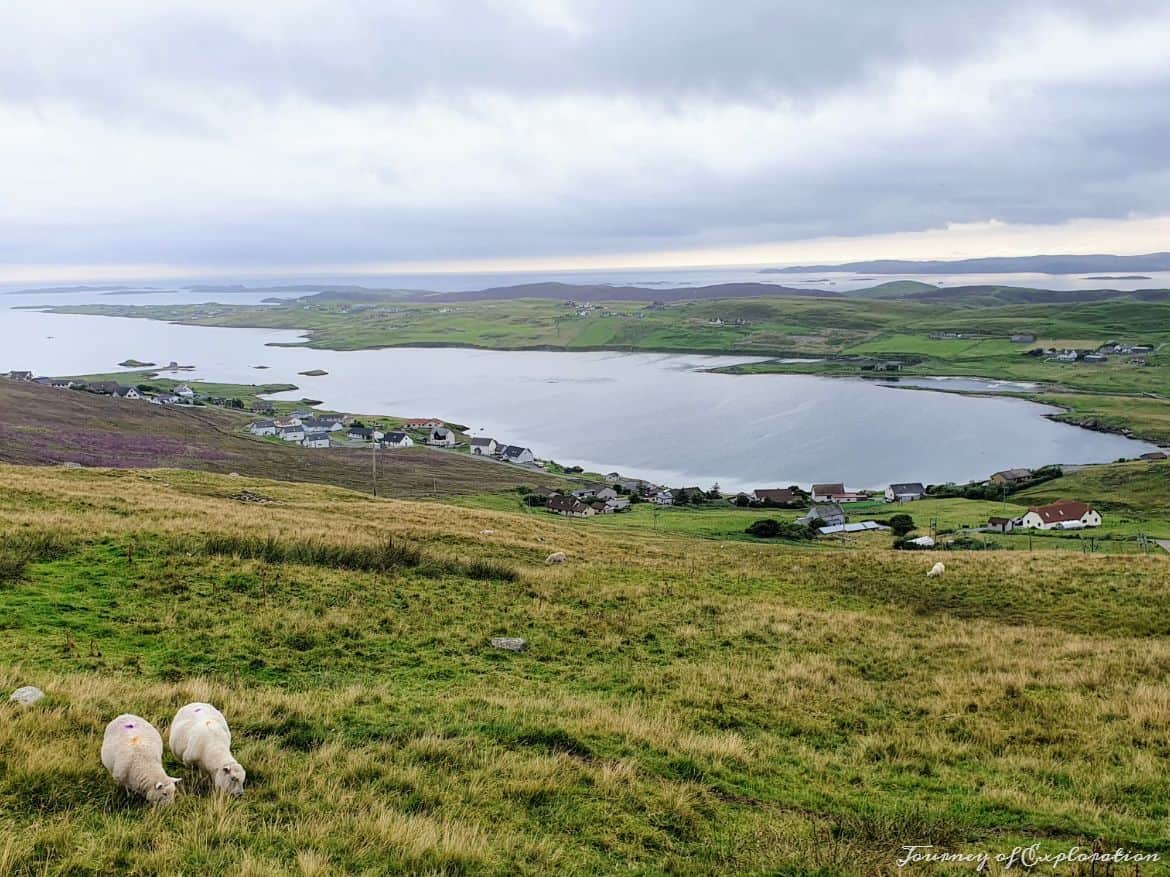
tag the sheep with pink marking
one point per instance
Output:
(132, 751)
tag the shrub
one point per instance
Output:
(770, 528)
(18, 550)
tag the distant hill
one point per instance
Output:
(591, 292)
(1008, 295)
(894, 289)
(995, 265)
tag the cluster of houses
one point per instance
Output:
(1138, 352)
(482, 446)
(587, 501)
(312, 430)
(301, 427)
(181, 395)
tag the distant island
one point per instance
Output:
(1060, 264)
(1120, 277)
(135, 363)
(314, 373)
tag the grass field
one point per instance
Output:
(682, 708)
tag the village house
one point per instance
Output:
(287, 421)
(360, 434)
(262, 427)
(832, 515)
(517, 454)
(1011, 476)
(617, 504)
(441, 437)
(185, 392)
(824, 492)
(397, 440)
(905, 492)
(1065, 514)
(776, 495)
(319, 439)
(20, 376)
(167, 399)
(291, 433)
(423, 423)
(331, 422)
(124, 392)
(661, 497)
(1000, 525)
(103, 388)
(482, 446)
(569, 507)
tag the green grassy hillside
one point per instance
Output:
(684, 707)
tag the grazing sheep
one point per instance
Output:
(555, 557)
(937, 570)
(200, 738)
(132, 752)
(486, 532)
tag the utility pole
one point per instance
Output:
(374, 466)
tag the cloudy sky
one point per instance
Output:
(289, 135)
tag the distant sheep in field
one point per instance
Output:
(486, 532)
(937, 570)
(132, 752)
(555, 557)
(200, 738)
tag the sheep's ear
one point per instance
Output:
(175, 779)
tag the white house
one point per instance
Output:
(291, 433)
(905, 492)
(315, 440)
(127, 393)
(287, 421)
(662, 497)
(398, 440)
(262, 427)
(827, 492)
(441, 437)
(482, 446)
(617, 504)
(517, 454)
(184, 391)
(1066, 514)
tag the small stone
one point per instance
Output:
(27, 696)
(510, 643)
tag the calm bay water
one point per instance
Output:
(658, 416)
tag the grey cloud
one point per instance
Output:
(1063, 151)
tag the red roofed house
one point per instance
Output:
(423, 423)
(1063, 515)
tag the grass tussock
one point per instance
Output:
(382, 557)
(19, 549)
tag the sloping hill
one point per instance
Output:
(745, 710)
(1126, 487)
(43, 426)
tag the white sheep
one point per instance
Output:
(200, 738)
(937, 570)
(555, 557)
(132, 752)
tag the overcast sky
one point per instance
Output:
(291, 135)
